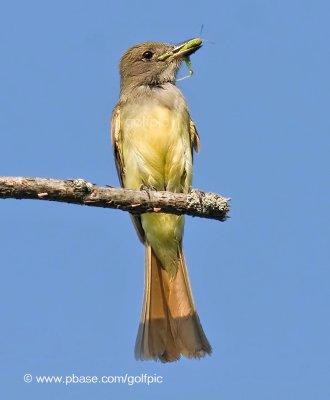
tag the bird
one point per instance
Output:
(153, 139)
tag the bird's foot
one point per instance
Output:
(148, 189)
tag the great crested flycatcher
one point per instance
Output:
(153, 138)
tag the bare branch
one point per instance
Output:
(78, 191)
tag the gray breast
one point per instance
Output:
(167, 95)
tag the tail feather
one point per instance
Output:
(169, 323)
(154, 338)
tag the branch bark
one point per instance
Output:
(78, 191)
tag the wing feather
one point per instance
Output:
(194, 137)
(117, 141)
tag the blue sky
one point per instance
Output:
(72, 277)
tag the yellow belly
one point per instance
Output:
(156, 149)
(157, 154)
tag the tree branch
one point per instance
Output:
(78, 191)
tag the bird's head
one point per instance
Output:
(154, 63)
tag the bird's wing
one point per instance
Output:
(194, 137)
(117, 143)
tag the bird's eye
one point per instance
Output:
(147, 55)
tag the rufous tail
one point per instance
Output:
(169, 324)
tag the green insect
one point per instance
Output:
(191, 44)
(188, 64)
(188, 48)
